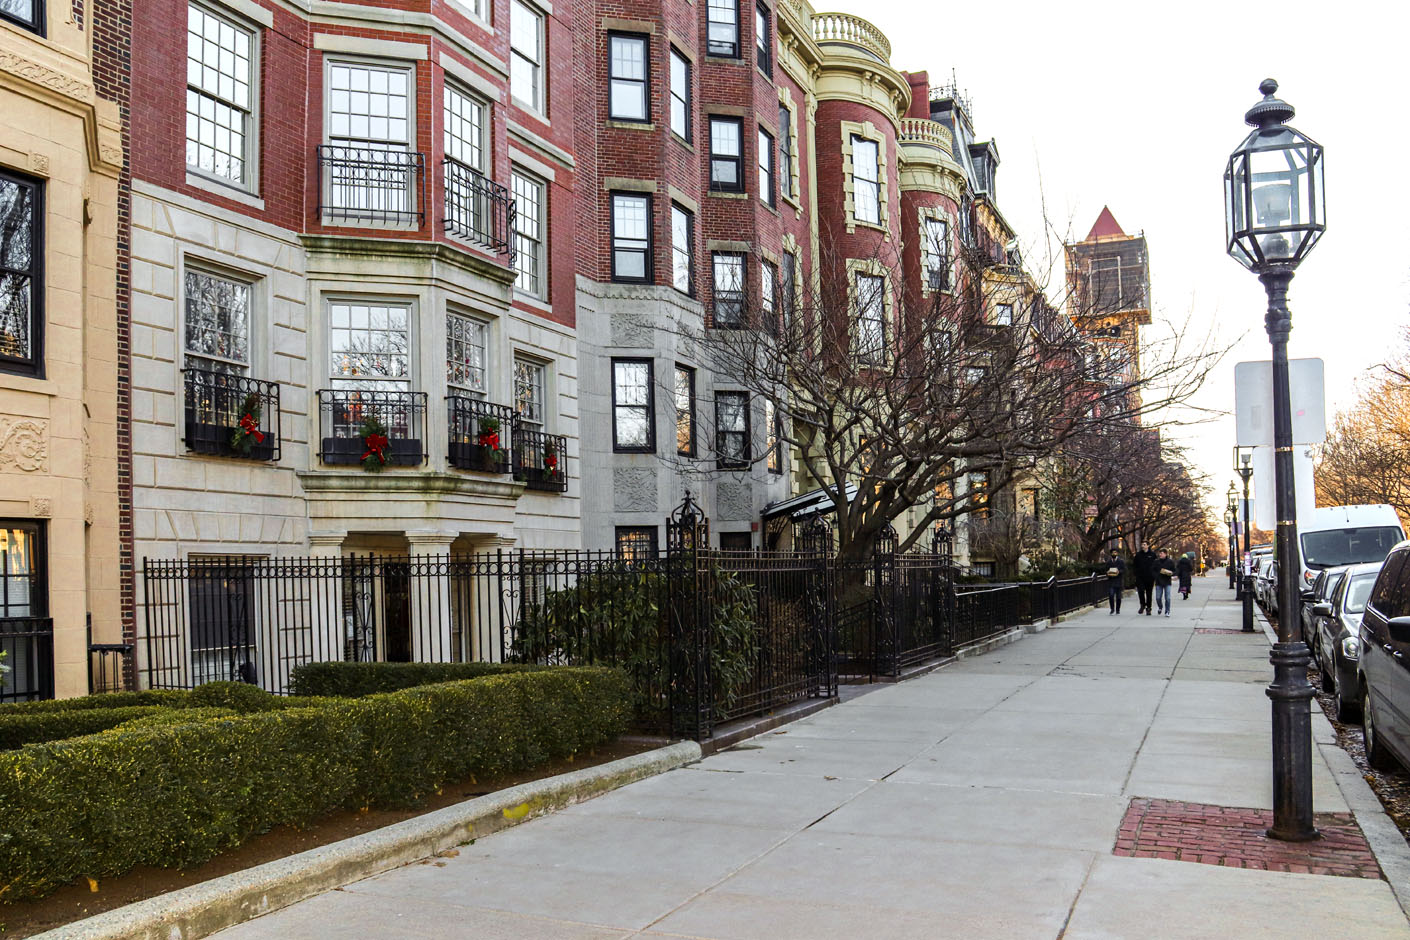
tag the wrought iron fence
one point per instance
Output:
(360, 424)
(478, 209)
(369, 184)
(480, 434)
(231, 415)
(28, 645)
(540, 459)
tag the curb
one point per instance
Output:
(203, 909)
(1012, 635)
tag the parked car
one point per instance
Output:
(1344, 535)
(1322, 587)
(1383, 668)
(1338, 632)
(1263, 583)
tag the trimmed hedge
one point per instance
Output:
(172, 698)
(177, 795)
(177, 716)
(355, 680)
(33, 728)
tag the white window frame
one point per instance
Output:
(530, 259)
(530, 366)
(1003, 314)
(209, 361)
(456, 143)
(538, 91)
(403, 143)
(248, 181)
(404, 383)
(467, 322)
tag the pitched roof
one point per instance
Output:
(1105, 226)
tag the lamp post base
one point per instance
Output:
(1291, 695)
(1247, 582)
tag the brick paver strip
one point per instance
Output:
(1236, 838)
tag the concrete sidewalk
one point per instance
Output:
(982, 800)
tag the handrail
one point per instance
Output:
(928, 132)
(852, 30)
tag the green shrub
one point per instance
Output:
(237, 696)
(172, 698)
(176, 716)
(354, 680)
(176, 795)
(17, 730)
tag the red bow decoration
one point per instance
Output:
(551, 461)
(376, 445)
(490, 440)
(250, 427)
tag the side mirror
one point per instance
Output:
(1322, 610)
(1399, 628)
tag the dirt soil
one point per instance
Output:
(80, 900)
(1392, 786)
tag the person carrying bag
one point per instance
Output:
(1115, 572)
(1164, 572)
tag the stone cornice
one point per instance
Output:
(73, 94)
(396, 248)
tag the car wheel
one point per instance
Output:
(1376, 754)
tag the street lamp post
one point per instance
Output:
(1274, 213)
(1243, 463)
(1231, 514)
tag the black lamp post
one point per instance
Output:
(1243, 464)
(1231, 514)
(1274, 213)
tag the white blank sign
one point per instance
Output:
(1253, 402)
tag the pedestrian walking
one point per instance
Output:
(1143, 567)
(1164, 572)
(1185, 568)
(1115, 578)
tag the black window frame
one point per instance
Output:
(784, 164)
(689, 413)
(723, 50)
(38, 26)
(648, 253)
(689, 248)
(768, 302)
(737, 159)
(764, 39)
(32, 365)
(766, 152)
(720, 461)
(773, 452)
(687, 101)
(650, 407)
(937, 275)
(39, 586)
(644, 81)
(632, 533)
(737, 322)
(787, 290)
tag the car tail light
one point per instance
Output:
(1309, 576)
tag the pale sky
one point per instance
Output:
(1137, 106)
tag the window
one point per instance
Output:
(973, 375)
(768, 295)
(369, 345)
(766, 168)
(785, 150)
(774, 442)
(26, 13)
(626, 78)
(218, 98)
(722, 28)
(633, 407)
(24, 593)
(736, 542)
(369, 130)
(526, 55)
(465, 354)
(726, 159)
(1028, 502)
(21, 275)
(871, 319)
(866, 180)
(631, 237)
(528, 234)
(465, 128)
(788, 298)
(1003, 314)
(728, 290)
(685, 411)
(682, 250)
(979, 493)
(983, 569)
(528, 392)
(217, 323)
(636, 544)
(763, 42)
(680, 95)
(732, 429)
(937, 254)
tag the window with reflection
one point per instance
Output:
(219, 108)
(21, 275)
(633, 424)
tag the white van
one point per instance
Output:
(1345, 535)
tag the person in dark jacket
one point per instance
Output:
(1143, 568)
(1185, 568)
(1164, 571)
(1115, 571)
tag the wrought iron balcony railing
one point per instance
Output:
(231, 415)
(540, 460)
(480, 434)
(357, 425)
(478, 209)
(28, 645)
(367, 184)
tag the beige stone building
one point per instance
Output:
(60, 158)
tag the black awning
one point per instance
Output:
(807, 504)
